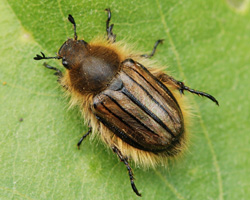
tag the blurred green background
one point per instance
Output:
(207, 45)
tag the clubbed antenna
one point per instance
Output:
(41, 57)
(72, 21)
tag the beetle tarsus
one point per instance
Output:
(109, 28)
(154, 49)
(201, 94)
(83, 137)
(58, 71)
(182, 87)
(125, 161)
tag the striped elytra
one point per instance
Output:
(132, 105)
(139, 111)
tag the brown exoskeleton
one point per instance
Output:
(135, 110)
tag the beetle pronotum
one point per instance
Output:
(135, 110)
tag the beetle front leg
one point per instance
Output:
(181, 86)
(125, 161)
(58, 72)
(83, 137)
(109, 28)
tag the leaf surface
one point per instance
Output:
(206, 45)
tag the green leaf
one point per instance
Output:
(207, 45)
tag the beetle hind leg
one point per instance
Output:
(181, 86)
(125, 161)
(109, 28)
(154, 49)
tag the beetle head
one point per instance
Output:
(73, 52)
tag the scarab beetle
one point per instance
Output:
(135, 110)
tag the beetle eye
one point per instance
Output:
(65, 64)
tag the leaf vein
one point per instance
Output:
(211, 148)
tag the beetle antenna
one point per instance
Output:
(41, 57)
(109, 28)
(72, 21)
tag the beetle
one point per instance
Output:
(134, 109)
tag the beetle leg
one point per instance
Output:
(154, 49)
(125, 161)
(109, 28)
(58, 72)
(83, 137)
(181, 86)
